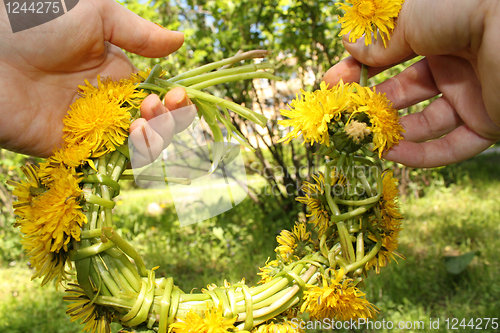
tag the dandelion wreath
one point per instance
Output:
(64, 206)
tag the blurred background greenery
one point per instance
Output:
(448, 211)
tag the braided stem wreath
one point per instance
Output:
(65, 211)
(65, 205)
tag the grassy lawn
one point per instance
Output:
(450, 220)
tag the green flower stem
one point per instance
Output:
(120, 165)
(360, 263)
(345, 242)
(271, 300)
(363, 160)
(110, 165)
(181, 181)
(328, 189)
(222, 73)
(232, 300)
(89, 251)
(142, 315)
(112, 267)
(108, 217)
(228, 313)
(128, 272)
(174, 306)
(242, 111)
(249, 308)
(363, 80)
(165, 306)
(94, 199)
(280, 304)
(153, 74)
(236, 77)
(194, 297)
(123, 149)
(366, 185)
(126, 248)
(293, 301)
(367, 152)
(153, 87)
(283, 282)
(84, 234)
(98, 178)
(283, 299)
(94, 216)
(97, 280)
(351, 214)
(137, 305)
(118, 302)
(322, 245)
(360, 246)
(209, 67)
(106, 277)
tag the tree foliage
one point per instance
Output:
(299, 35)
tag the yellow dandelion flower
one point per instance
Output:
(289, 240)
(26, 191)
(283, 327)
(287, 244)
(96, 318)
(117, 91)
(212, 322)
(56, 215)
(365, 17)
(99, 121)
(384, 119)
(388, 251)
(72, 156)
(339, 300)
(269, 271)
(310, 114)
(389, 201)
(141, 76)
(390, 224)
(315, 200)
(48, 265)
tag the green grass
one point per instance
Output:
(450, 220)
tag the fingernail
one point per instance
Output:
(177, 33)
(158, 108)
(184, 101)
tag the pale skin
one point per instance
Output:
(461, 43)
(41, 68)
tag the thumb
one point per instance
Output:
(137, 35)
(376, 54)
(426, 27)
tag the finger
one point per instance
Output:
(457, 80)
(413, 85)
(459, 145)
(137, 35)
(349, 70)
(159, 118)
(422, 28)
(147, 143)
(182, 109)
(436, 120)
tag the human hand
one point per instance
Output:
(461, 44)
(40, 69)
